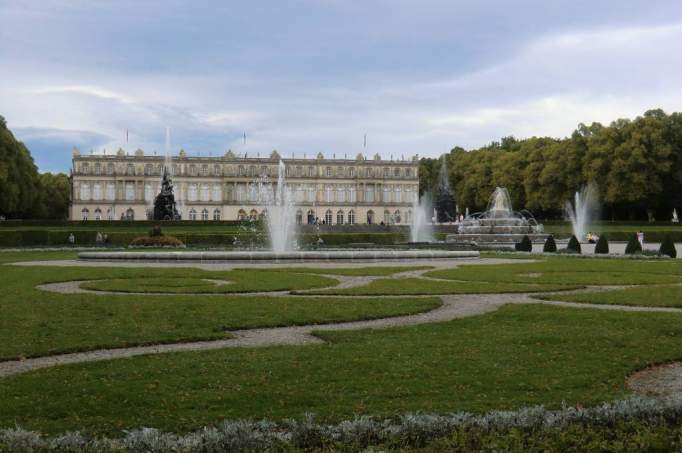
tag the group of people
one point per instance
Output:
(100, 239)
(592, 238)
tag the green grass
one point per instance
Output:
(657, 296)
(36, 322)
(240, 281)
(516, 356)
(421, 286)
(356, 271)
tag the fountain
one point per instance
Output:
(280, 212)
(583, 211)
(164, 203)
(421, 229)
(499, 223)
(445, 201)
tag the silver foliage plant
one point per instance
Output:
(360, 432)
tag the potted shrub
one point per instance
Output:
(602, 246)
(668, 246)
(550, 245)
(633, 245)
(525, 245)
(573, 245)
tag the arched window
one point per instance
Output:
(396, 217)
(387, 217)
(204, 214)
(263, 215)
(110, 214)
(311, 217)
(192, 192)
(217, 193)
(339, 217)
(84, 214)
(98, 214)
(299, 217)
(216, 214)
(192, 214)
(341, 194)
(328, 217)
(369, 193)
(370, 217)
(130, 214)
(351, 217)
(241, 215)
(253, 215)
(85, 191)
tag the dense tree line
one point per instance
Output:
(25, 193)
(636, 165)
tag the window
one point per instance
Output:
(85, 168)
(311, 172)
(216, 214)
(204, 193)
(299, 171)
(241, 215)
(130, 192)
(328, 172)
(311, 193)
(110, 168)
(111, 192)
(339, 172)
(339, 217)
(386, 172)
(84, 214)
(204, 214)
(148, 192)
(370, 217)
(396, 217)
(216, 170)
(192, 214)
(369, 194)
(85, 192)
(98, 168)
(98, 214)
(311, 217)
(193, 170)
(264, 171)
(408, 173)
(328, 194)
(204, 170)
(110, 214)
(408, 217)
(192, 192)
(253, 215)
(328, 217)
(351, 217)
(97, 191)
(351, 172)
(299, 217)
(253, 193)
(241, 193)
(387, 194)
(387, 217)
(398, 195)
(148, 169)
(396, 172)
(252, 170)
(217, 193)
(130, 214)
(130, 170)
(352, 195)
(341, 194)
(242, 171)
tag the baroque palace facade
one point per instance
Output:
(329, 191)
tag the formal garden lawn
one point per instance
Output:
(643, 296)
(517, 356)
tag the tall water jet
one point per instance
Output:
(421, 229)
(583, 211)
(281, 215)
(165, 206)
(445, 201)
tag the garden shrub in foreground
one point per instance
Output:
(573, 245)
(668, 247)
(525, 245)
(157, 241)
(602, 246)
(633, 245)
(550, 245)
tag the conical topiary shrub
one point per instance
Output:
(668, 246)
(633, 246)
(525, 245)
(573, 245)
(550, 245)
(602, 246)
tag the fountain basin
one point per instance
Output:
(284, 257)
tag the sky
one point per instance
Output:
(310, 76)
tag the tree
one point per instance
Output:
(668, 246)
(573, 245)
(550, 245)
(633, 246)
(602, 246)
(525, 245)
(19, 180)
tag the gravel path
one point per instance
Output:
(662, 380)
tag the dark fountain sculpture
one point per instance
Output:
(444, 200)
(164, 203)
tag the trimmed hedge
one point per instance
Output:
(602, 246)
(156, 241)
(550, 245)
(633, 245)
(668, 247)
(525, 245)
(573, 245)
